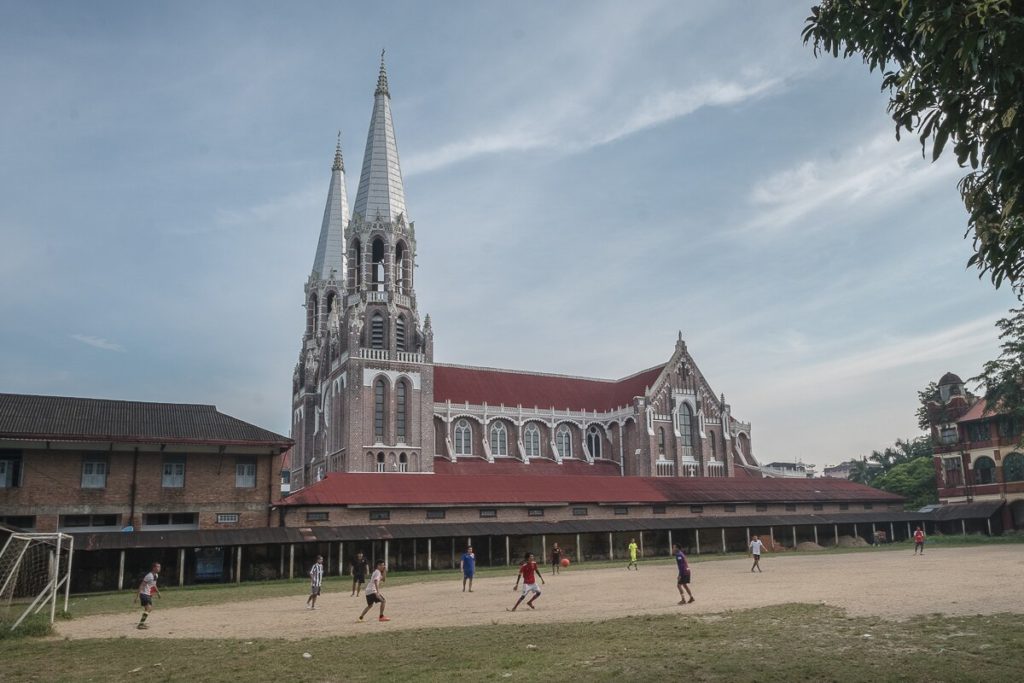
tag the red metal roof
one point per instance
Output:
(978, 410)
(372, 489)
(477, 386)
(480, 466)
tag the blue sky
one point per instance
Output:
(586, 179)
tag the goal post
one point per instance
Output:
(35, 568)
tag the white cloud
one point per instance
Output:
(875, 174)
(98, 343)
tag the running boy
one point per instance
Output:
(918, 540)
(683, 581)
(358, 572)
(632, 555)
(529, 572)
(373, 594)
(468, 567)
(756, 546)
(316, 577)
(147, 589)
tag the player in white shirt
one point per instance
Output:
(756, 546)
(372, 592)
(147, 589)
(316, 577)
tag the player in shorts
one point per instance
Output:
(468, 567)
(373, 594)
(683, 580)
(633, 547)
(358, 572)
(147, 589)
(529, 572)
(316, 577)
(918, 540)
(556, 559)
(756, 546)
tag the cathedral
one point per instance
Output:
(367, 395)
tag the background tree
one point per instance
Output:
(1003, 378)
(954, 72)
(914, 480)
(924, 397)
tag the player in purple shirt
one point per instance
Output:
(683, 582)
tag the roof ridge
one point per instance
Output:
(550, 374)
(111, 400)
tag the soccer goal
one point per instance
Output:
(34, 570)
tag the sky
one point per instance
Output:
(587, 179)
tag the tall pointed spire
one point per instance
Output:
(328, 263)
(381, 191)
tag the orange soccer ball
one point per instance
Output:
(565, 561)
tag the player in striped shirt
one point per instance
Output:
(316, 577)
(147, 589)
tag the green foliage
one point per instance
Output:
(1003, 378)
(927, 395)
(913, 479)
(954, 72)
(903, 451)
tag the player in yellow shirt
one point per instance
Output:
(633, 548)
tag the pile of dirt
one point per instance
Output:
(809, 545)
(852, 542)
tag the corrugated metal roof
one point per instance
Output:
(474, 385)
(372, 489)
(57, 418)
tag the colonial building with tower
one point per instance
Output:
(367, 395)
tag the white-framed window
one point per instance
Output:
(499, 439)
(403, 462)
(686, 430)
(245, 474)
(531, 440)
(563, 441)
(94, 474)
(594, 441)
(381, 464)
(463, 438)
(227, 518)
(173, 473)
(948, 434)
(171, 521)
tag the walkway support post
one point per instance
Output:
(892, 533)
(816, 535)
(387, 557)
(988, 522)
(836, 528)
(120, 573)
(748, 536)
(543, 549)
(430, 554)
(508, 552)
(611, 546)
(696, 533)
(238, 565)
(291, 560)
(181, 566)
(341, 558)
(723, 540)
(579, 549)
(794, 537)
(963, 526)
(771, 535)
(641, 544)
(670, 541)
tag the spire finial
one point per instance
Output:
(382, 78)
(339, 163)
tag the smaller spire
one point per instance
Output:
(382, 79)
(339, 163)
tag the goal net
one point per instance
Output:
(35, 569)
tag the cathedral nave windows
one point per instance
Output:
(594, 441)
(463, 438)
(499, 438)
(563, 441)
(531, 440)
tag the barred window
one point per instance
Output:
(400, 333)
(377, 331)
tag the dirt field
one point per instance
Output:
(888, 584)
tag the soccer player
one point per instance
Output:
(358, 572)
(316, 577)
(633, 547)
(147, 589)
(373, 594)
(468, 567)
(756, 546)
(529, 572)
(556, 559)
(683, 581)
(918, 540)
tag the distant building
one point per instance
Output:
(844, 469)
(796, 469)
(978, 453)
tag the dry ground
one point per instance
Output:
(956, 581)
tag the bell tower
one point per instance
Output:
(369, 407)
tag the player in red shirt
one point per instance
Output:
(529, 572)
(918, 541)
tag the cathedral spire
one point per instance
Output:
(328, 263)
(381, 192)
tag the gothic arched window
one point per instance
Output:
(401, 391)
(499, 439)
(563, 442)
(594, 442)
(661, 441)
(686, 429)
(377, 265)
(355, 260)
(463, 438)
(400, 333)
(531, 440)
(378, 410)
(984, 471)
(377, 331)
(313, 314)
(400, 257)
(1013, 467)
(381, 467)
(403, 462)
(714, 446)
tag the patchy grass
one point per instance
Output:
(34, 626)
(790, 642)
